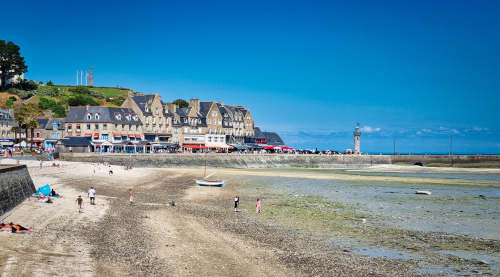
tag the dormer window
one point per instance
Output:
(89, 116)
(136, 118)
(97, 116)
(128, 117)
(118, 116)
(146, 108)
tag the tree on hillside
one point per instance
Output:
(11, 61)
(49, 83)
(181, 103)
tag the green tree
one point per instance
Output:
(82, 100)
(10, 101)
(11, 61)
(49, 83)
(32, 124)
(181, 103)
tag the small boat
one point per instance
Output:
(423, 192)
(205, 182)
(210, 183)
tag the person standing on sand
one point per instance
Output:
(236, 202)
(91, 194)
(257, 206)
(79, 202)
(131, 196)
(110, 170)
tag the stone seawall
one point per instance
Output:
(15, 186)
(446, 159)
(231, 160)
(272, 160)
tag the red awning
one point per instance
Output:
(194, 146)
(76, 124)
(88, 134)
(287, 148)
(96, 134)
(131, 135)
(117, 135)
(269, 147)
(69, 124)
(137, 136)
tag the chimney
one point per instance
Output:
(195, 104)
(171, 107)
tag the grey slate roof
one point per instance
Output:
(142, 101)
(75, 141)
(106, 115)
(273, 138)
(258, 133)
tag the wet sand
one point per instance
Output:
(200, 236)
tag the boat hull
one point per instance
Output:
(205, 183)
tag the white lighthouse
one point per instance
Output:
(357, 136)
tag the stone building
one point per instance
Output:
(155, 117)
(49, 131)
(7, 121)
(109, 129)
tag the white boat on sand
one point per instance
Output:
(205, 182)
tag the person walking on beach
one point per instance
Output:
(131, 196)
(257, 206)
(110, 170)
(79, 202)
(236, 202)
(91, 194)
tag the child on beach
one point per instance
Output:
(110, 170)
(79, 202)
(257, 206)
(236, 202)
(131, 196)
(91, 195)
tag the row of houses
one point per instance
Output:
(145, 123)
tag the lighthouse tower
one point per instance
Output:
(357, 135)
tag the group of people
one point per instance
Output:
(15, 228)
(237, 203)
(92, 193)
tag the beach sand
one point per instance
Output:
(200, 236)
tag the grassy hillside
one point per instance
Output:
(57, 98)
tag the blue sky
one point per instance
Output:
(419, 71)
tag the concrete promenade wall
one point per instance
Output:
(231, 160)
(446, 159)
(271, 160)
(15, 186)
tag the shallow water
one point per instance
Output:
(450, 209)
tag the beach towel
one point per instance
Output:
(44, 190)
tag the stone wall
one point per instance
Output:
(15, 186)
(446, 159)
(231, 160)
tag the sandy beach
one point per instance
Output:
(200, 236)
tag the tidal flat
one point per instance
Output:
(453, 231)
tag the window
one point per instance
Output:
(97, 127)
(175, 130)
(185, 130)
(123, 126)
(118, 116)
(89, 116)
(208, 121)
(128, 117)
(209, 139)
(136, 118)
(105, 126)
(130, 127)
(156, 111)
(88, 126)
(97, 116)
(116, 126)
(78, 128)
(69, 128)
(137, 127)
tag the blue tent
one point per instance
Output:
(45, 190)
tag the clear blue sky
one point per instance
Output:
(418, 70)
